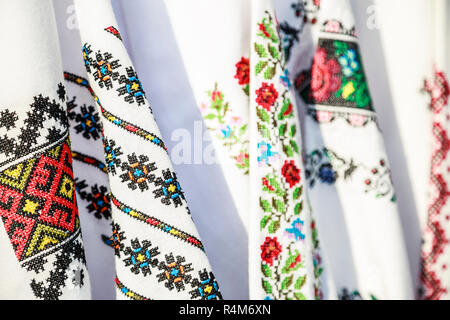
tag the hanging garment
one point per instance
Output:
(123, 172)
(40, 236)
(411, 105)
(256, 135)
(435, 276)
(345, 161)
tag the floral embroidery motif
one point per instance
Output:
(270, 250)
(266, 96)
(87, 119)
(284, 272)
(169, 189)
(327, 167)
(141, 257)
(102, 67)
(206, 287)
(175, 272)
(230, 129)
(291, 173)
(336, 77)
(243, 74)
(281, 200)
(132, 87)
(97, 198)
(138, 172)
(380, 181)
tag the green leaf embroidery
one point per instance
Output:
(294, 145)
(210, 116)
(282, 130)
(288, 150)
(264, 222)
(279, 205)
(273, 51)
(300, 282)
(269, 73)
(297, 193)
(287, 282)
(260, 50)
(260, 66)
(293, 130)
(266, 270)
(265, 205)
(263, 115)
(299, 296)
(274, 226)
(298, 208)
(266, 286)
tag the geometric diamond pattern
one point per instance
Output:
(37, 201)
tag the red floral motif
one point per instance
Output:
(270, 250)
(297, 260)
(288, 110)
(266, 96)
(324, 76)
(262, 28)
(243, 71)
(265, 183)
(291, 173)
(216, 95)
(439, 90)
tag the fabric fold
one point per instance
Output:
(38, 204)
(158, 251)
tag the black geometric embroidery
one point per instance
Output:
(40, 110)
(88, 120)
(137, 172)
(36, 264)
(115, 240)
(102, 67)
(170, 189)
(132, 88)
(69, 252)
(175, 273)
(111, 155)
(8, 119)
(141, 257)
(98, 199)
(61, 92)
(206, 288)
